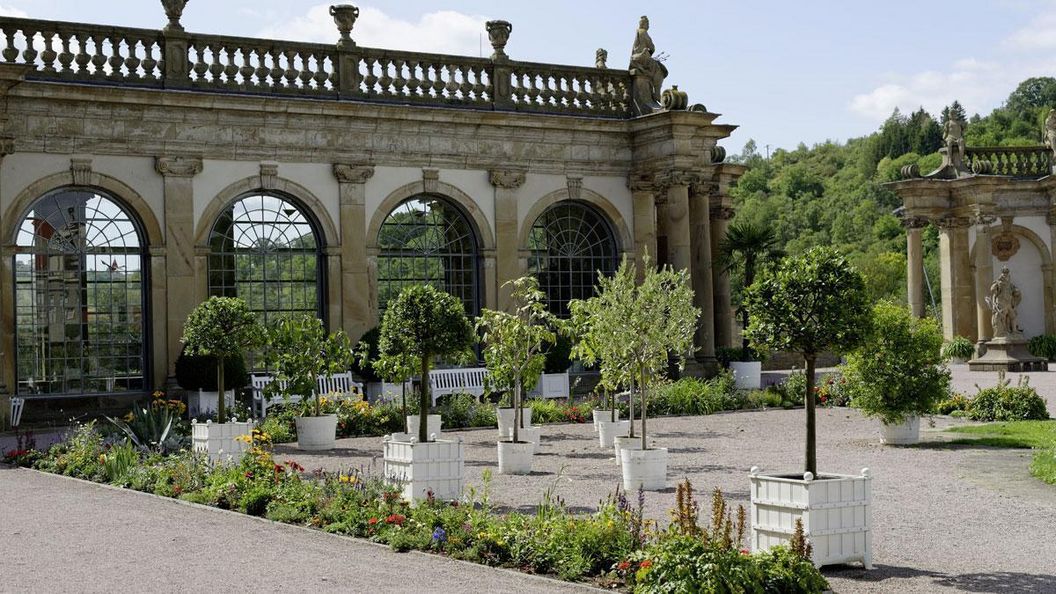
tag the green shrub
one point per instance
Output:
(1043, 346)
(692, 396)
(458, 410)
(255, 500)
(897, 372)
(118, 463)
(958, 348)
(768, 398)
(793, 389)
(1008, 403)
(956, 403)
(198, 372)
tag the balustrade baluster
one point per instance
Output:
(82, 58)
(413, 83)
(230, 66)
(290, 74)
(10, 53)
(65, 56)
(200, 65)
(149, 63)
(438, 80)
(48, 55)
(98, 57)
(116, 60)
(132, 61)
(275, 72)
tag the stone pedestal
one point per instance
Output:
(1008, 353)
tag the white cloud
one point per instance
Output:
(443, 31)
(12, 12)
(1039, 34)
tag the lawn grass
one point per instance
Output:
(1039, 435)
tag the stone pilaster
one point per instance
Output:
(701, 269)
(984, 276)
(7, 319)
(915, 264)
(177, 282)
(674, 184)
(720, 221)
(507, 263)
(356, 314)
(958, 300)
(644, 213)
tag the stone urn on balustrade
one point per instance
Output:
(345, 16)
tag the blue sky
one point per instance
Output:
(786, 72)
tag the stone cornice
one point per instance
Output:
(349, 173)
(704, 188)
(640, 182)
(676, 177)
(178, 166)
(913, 222)
(507, 179)
(946, 223)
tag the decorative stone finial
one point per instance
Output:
(674, 100)
(345, 16)
(600, 57)
(910, 171)
(498, 35)
(174, 11)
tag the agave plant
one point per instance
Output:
(150, 428)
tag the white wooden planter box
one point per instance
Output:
(218, 440)
(904, 433)
(551, 385)
(206, 403)
(420, 467)
(747, 375)
(505, 420)
(835, 511)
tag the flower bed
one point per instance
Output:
(614, 547)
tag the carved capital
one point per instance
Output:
(947, 223)
(178, 166)
(431, 180)
(675, 177)
(349, 173)
(640, 182)
(269, 175)
(914, 222)
(721, 212)
(508, 179)
(81, 170)
(575, 186)
(704, 188)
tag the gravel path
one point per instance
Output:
(944, 518)
(61, 535)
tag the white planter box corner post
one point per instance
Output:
(423, 467)
(834, 509)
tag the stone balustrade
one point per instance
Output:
(122, 56)
(1013, 161)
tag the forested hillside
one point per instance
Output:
(832, 194)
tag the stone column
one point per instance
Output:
(507, 265)
(720, 221)
(984, 276)
(643, 202)
(701, 270)
(915, 264)
(179, 275)
(7, 317)
(679, 247)
(356, 314)
(958, 304)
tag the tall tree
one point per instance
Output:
(746, 245)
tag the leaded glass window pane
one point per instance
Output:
(571, 243)
(427, 240)
(80, 296)
(264, 249)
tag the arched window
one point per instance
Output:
(428, 240)
(80, 296)
(570, 243)
(265, 249)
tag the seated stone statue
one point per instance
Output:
(648, 72)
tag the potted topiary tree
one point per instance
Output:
(811, 303)
(221, 327)
(424, 323)
(649, 323)
(513, 353)
(897, 374)
(299, 350)
(196, 374)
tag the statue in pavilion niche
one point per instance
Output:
(1003, 299)
(647, 72)
(1050, 130)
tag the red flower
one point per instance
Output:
(397, 519)
(279, 468)
(623, 565)
(372, 521)
(249, 474)
(294, 466)
(646, 564)
(177, 489)
(745, 552)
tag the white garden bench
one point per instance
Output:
(339, 383)
(17, 405)
(468, 380)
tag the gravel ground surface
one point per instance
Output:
(944, 518)
(61, 535)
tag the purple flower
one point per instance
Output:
(439, 535)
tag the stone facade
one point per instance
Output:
(176, 159)
(993, 207)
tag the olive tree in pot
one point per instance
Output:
(514, 346)
(811, 303)
(613, 363)
(299, 351)
(897, 374)
(649, 322)
(423, 322)
(221, 327)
